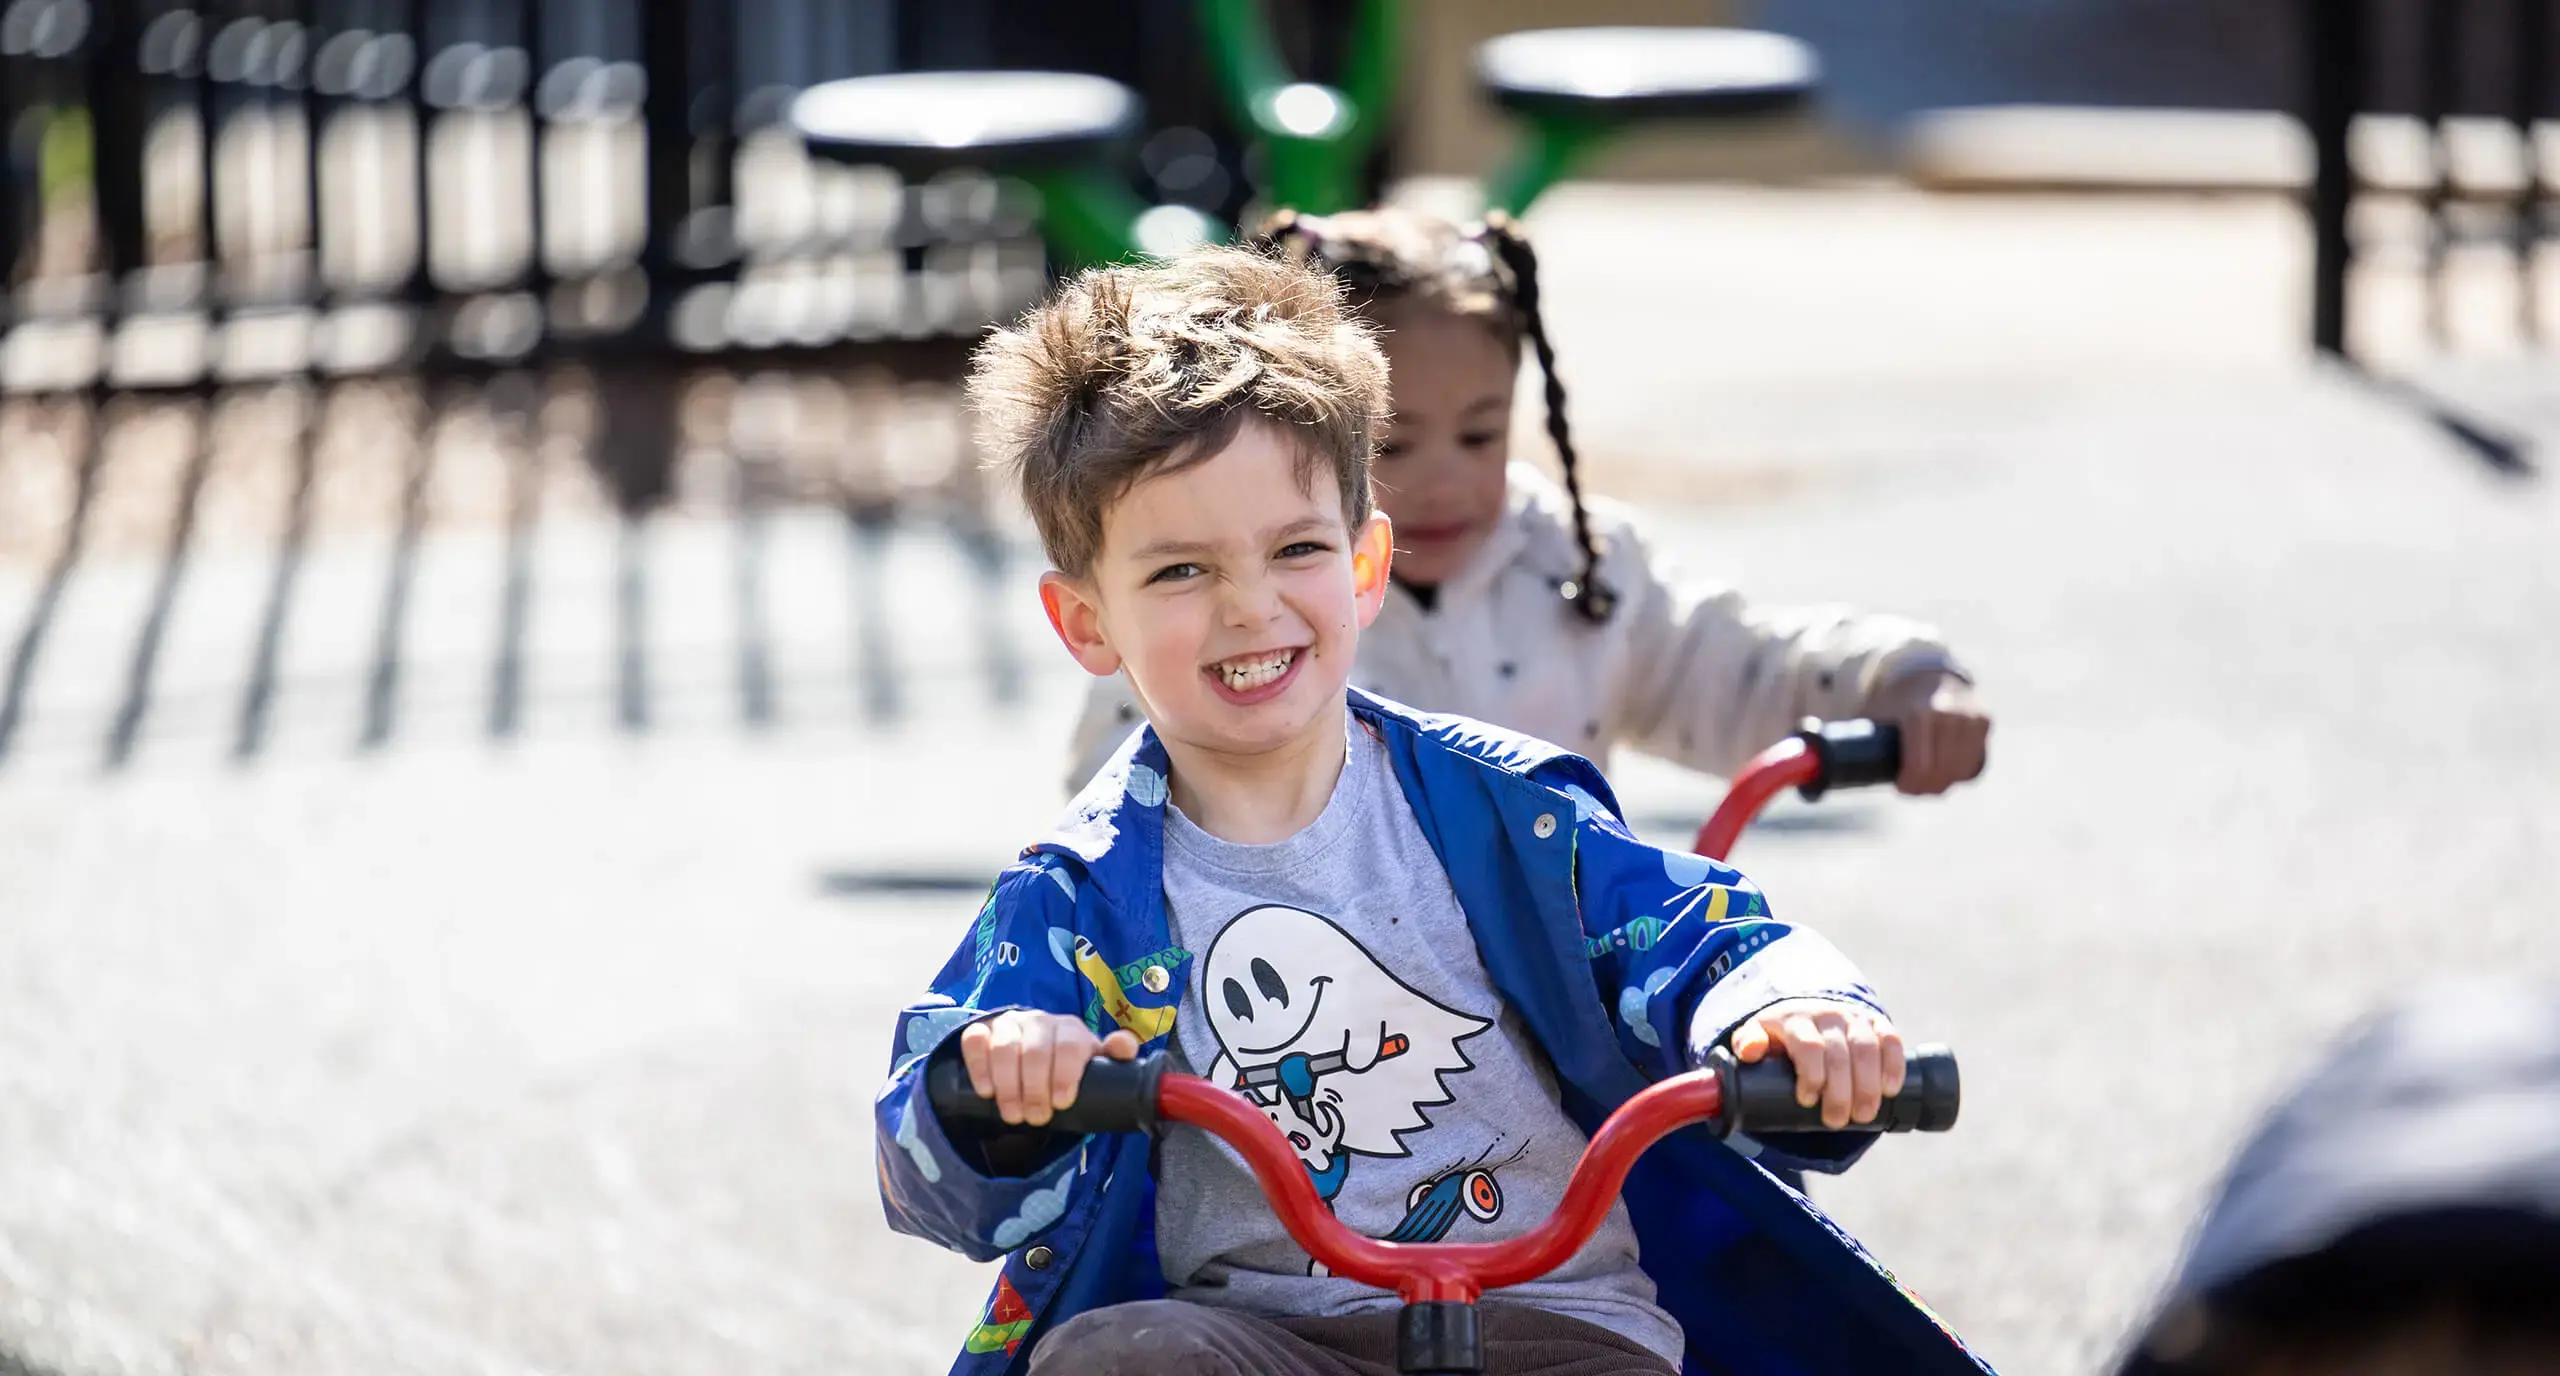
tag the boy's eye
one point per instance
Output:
(1300, 549)
(1390, 449)
(1174, 573)
(1478, 439)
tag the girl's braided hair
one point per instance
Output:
(1487, 273)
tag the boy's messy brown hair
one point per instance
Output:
(1130, 371)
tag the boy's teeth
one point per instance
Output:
(1244, 675)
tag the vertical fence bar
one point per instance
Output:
(2439, 61)
(2532, 93)
(209, 115)
(666, 50)
(316, 111)
(2335, 33)
(420, 289)
(537, 270)
(117, 118)
(17, 192)
(714, 130)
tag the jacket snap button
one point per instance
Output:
(1038, 1258)
(1156, 979)
(1545, 826)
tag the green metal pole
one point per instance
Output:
(1242, 54)
(1550, 145)
(1369, 75)
(1087, 218)
(1315, 137)
(1307, 134)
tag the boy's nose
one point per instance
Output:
(1251, 602)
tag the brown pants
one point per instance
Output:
(1172, 1338)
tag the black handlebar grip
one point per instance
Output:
(1115, 1096)
(1760, 1098)
(1853, 754)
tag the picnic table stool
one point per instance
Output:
(1059, 131)
(1574, 87)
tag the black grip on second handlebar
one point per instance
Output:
(1760, 1098)
(1115, 1096)
(1853, 754)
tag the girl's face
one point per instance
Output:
(1441, 463)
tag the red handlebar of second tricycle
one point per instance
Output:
(1459, 1271)
(1788, 764)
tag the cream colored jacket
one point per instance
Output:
(1684, 670)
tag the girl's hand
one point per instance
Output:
(1847, 1058)
(1946, 734)
(1031, 1063)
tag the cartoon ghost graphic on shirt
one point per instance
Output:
(1341, 1054)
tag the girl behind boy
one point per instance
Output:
(1519, 602)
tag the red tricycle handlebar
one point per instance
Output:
(1819, 757)
(1445, 1271)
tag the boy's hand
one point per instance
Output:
(1847, 1058)
(1031, 1063)
(1945, 732)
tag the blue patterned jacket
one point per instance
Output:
(1608, 947)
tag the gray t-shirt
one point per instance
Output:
(1337, 982)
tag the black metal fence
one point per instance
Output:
(462, 186)
(2436, 61)
(377, 215)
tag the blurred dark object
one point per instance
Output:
(2413, 1181)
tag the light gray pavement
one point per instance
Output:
(554, 1056)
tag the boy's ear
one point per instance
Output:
(1076, 615)
(1373, 551)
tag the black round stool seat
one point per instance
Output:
(927, 122)
(1647, 73)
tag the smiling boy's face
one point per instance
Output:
(1233, 593)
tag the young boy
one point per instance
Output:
(1422, 946)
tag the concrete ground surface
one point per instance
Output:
(553, 1053)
